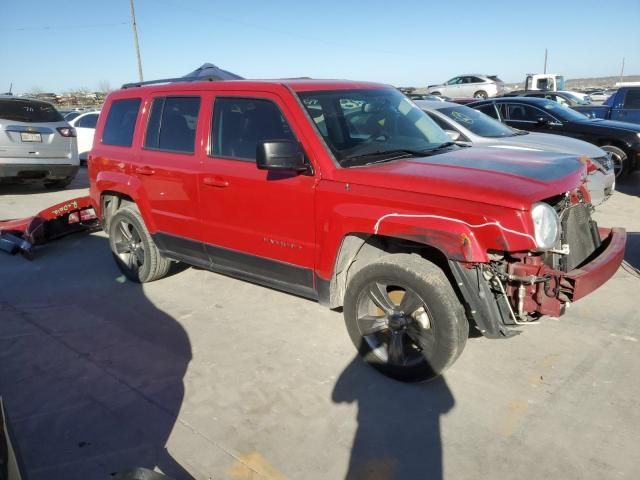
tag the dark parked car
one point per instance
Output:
(563, 98)
(623, 105)
(622, 139)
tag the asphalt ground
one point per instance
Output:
(200, 375)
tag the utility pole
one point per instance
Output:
(135, 39)
(545, 61)
(622, 70)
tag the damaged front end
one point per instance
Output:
(518, 288)
(71, 216)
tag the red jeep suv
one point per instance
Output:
(347, 193)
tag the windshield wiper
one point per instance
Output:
(393, 155)
(444, 145)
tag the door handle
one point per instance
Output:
(215, 182)
(145, 170)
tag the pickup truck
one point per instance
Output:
(348, 194)
(623, 106)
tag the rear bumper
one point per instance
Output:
(29, 172)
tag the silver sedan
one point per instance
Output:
(466, 125)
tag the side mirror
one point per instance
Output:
(453, 135)
(280, 155)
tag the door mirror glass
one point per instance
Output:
(280, 155)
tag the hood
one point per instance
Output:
(631, 127)
(509, 178)
(546, 142)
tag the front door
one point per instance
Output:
(257, 224)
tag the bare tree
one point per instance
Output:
(104, 86)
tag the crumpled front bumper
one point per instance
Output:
(561, 288)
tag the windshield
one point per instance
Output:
(360, 124)
(477, 122)
(580, 100)
(563, 112)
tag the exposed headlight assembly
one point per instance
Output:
(546, 225)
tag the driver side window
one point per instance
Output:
(454, 81)
(526, 113)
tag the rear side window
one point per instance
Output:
(172, 124)
(29, 111)
(88, 121)
(240, 123)
(632, 99)
(121, 122)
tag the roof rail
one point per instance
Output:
(209, 78)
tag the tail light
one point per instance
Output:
(66, 131)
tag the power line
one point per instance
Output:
(291, 34)
(69, 27)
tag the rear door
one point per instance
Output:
(168, 167)
(29, 133)
(629, 110)
(256, 223)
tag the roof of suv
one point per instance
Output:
(296, 84)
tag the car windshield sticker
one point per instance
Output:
(462, 118)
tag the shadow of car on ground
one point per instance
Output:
(92, 371)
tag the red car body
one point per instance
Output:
(300, 232)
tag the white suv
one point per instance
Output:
(470, 86)
(36, 144)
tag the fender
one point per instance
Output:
(118, 182)
(458, 239)
(465, 238)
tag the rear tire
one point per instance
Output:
(133, 248)
(481, 95)
(404, 318)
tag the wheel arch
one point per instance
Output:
(360, 249)
(116, 187)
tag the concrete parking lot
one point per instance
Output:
(203, 376)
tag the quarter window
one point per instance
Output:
(239, 124)
(172, 124)
(121, 122)
(489, 110)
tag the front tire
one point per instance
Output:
(620, 159)
(404, 318)
(133, 248)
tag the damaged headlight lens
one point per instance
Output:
(546, 225)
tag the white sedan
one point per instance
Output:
(85, 126)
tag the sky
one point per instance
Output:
(58, 46)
